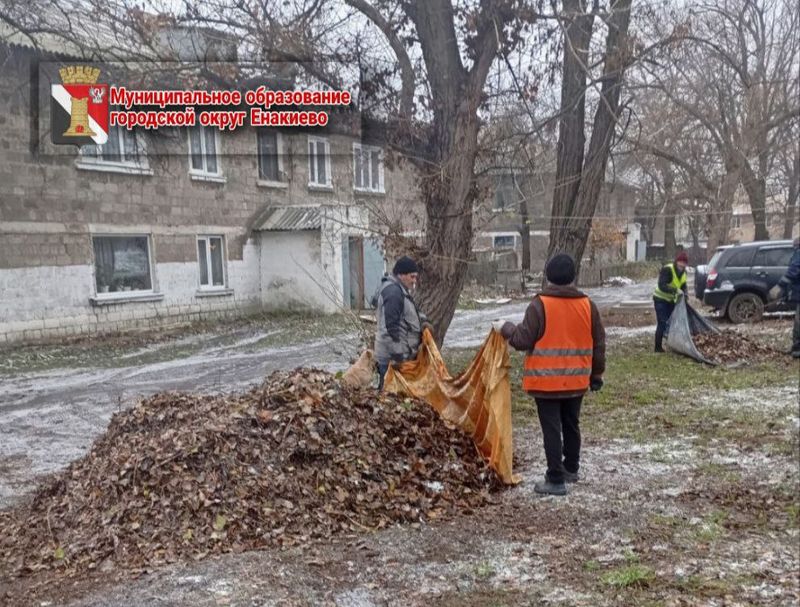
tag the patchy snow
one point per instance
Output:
(618, 281)
(629, 332)
(759, 399)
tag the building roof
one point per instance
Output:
(291, 219)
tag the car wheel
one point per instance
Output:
(745, 307)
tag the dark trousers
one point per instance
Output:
(560, 417)
(663, 312)
(382, 369)
(796, 331)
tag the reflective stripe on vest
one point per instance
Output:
(561, 360)
(675, 282)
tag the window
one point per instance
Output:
(319, 162)
(204, 152)
(504, 192)
(742, 258)
(211, 256)
(123, 149)
(775, 258)
(367, 168)
(504, 242)
(122, 263)
(270, 162)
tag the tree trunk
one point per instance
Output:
(573, 226)
(571, 136)
(525, 234)
(449, 196)
(719, 219)
(670, 219)
(448, 189)
(793, 198)
(756, 189)
(792, 212)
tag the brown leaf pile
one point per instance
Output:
(297, 459)
(730, 347)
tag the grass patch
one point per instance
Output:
(703, 587)
(711, 528)
(793, 510)
(630, 576)
(484, 570)
(648, 396)
(719, 472)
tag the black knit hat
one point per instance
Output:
(560, 270)
(405, 265)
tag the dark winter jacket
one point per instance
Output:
(400, 322)
(525, 335)
(790, 282)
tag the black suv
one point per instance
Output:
(738, 277)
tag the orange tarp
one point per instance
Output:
(478, 401)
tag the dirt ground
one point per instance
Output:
(688, 496)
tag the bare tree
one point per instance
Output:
(788, 181)
(736, 76)
(581, 172)
(458, 45)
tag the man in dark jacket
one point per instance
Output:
(788, 287)
(400, 323)
(566, 347)
(671, 286)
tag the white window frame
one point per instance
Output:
(496, 236)
(283, 180)
(150, 262)
(315, 184)
(203, 174)
(361, 149)
(212, 286)
(96, 162)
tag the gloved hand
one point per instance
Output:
(595, 384)
(427, 325)
(775, 293)
(498, 325)
(680, 294)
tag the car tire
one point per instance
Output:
(745, 307)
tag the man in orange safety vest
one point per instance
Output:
(566, 346)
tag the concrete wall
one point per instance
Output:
(51, 301)
(292, 277)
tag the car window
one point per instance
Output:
(715, 259)
(740, 259)
(778, 258)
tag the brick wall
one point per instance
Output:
(51, 204)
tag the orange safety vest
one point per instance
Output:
(561, 361)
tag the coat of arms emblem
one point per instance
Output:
(79, 107)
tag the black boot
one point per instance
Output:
(545, 487)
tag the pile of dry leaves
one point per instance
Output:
(730, 347)
(298, 459)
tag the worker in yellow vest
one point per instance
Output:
(566, 350)
(671, 286)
